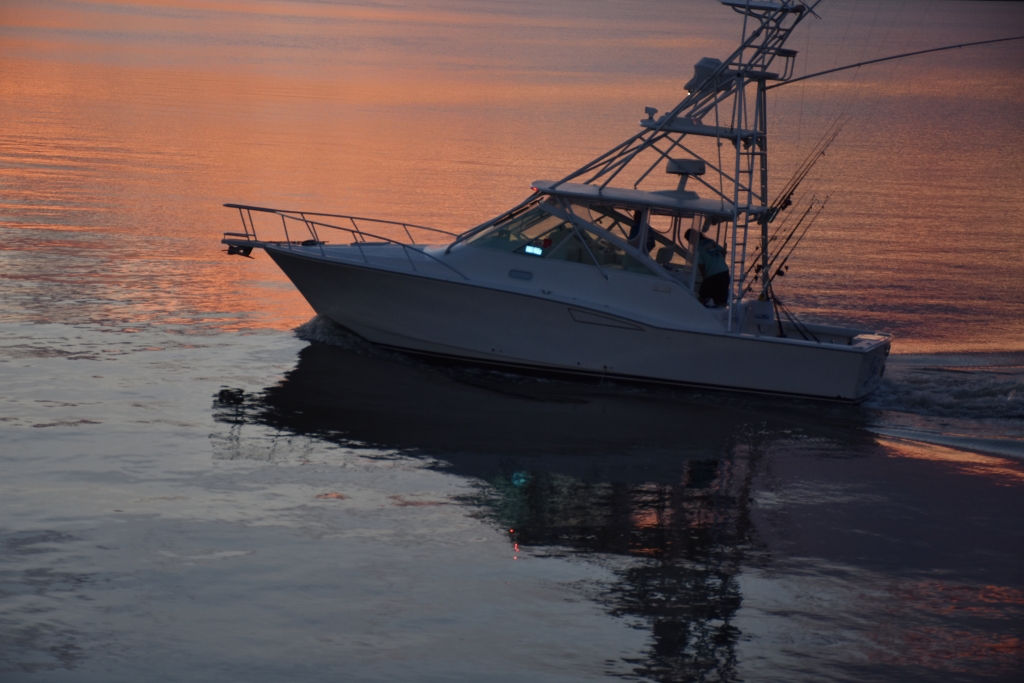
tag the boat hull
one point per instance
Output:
(468, 321)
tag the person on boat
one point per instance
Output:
(713, 269)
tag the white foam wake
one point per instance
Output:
(967, 401)
(325, 331)
(966, 386)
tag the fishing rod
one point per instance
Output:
(785, 198)
(782, 247)
(757, 267)
(886, 59)
(779, 271)
(773, 257)
(766, 275)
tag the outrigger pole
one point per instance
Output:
(886, 59)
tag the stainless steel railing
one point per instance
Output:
(313, 222)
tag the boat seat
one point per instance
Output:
(664, 255)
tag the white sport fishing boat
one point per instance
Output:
(601, 272)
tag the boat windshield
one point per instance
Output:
(542, 230)
(533, 231)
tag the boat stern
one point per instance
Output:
(876, 348)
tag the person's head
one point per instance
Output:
(688, 235)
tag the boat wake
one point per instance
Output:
(969, 401)
(974, 386)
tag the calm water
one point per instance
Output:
(201, 481)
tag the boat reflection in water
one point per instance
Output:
(653, 484)
(688, 540)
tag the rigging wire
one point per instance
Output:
(799, 326)
(803, 91)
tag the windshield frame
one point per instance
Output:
(577, 212)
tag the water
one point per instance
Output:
(204, 482)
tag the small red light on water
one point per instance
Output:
(511, 531)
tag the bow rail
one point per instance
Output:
(243, 243)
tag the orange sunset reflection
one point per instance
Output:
(939, 646)
(1002, 471)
